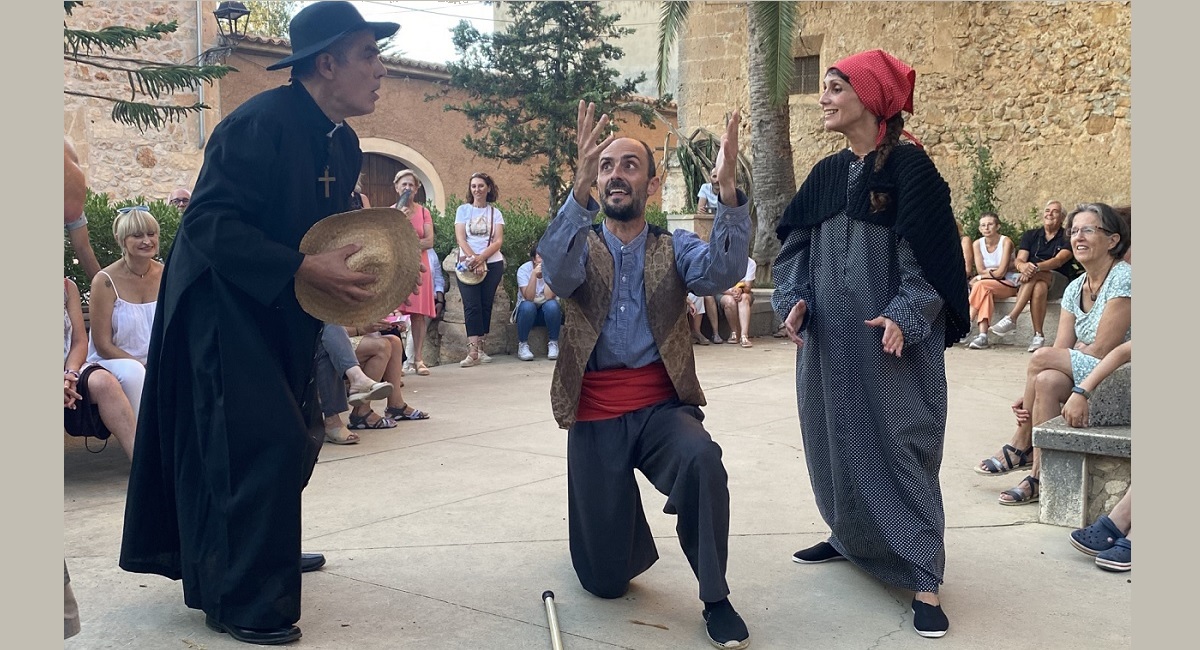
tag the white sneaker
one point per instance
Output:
(1002, 326)
(523, 352)
(979, 342)
(1036, 342)
(553, 347)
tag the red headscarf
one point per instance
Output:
(883, 83)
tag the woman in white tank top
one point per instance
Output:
(123, 299)
(996, 276)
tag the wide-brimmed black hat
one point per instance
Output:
(319, 25)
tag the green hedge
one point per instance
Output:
(100, 215)
(522, 227)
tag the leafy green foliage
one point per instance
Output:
(147, 79)
(776, 22)
(986, 174)
(270, 17)
(697, 156)
(100, 215)
(522, 85)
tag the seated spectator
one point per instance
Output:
(335, 360)
(707, 197)
(381, 356)
(93, 403)
(1108, 538)
(74, 219)
(1095, 319)
(536, 305)
(1040, 251)
(123, 299)
(736, 302)
(696, 311)
(180, 197)
(994, 276)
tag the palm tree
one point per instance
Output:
(772, 29)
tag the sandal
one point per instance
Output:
(422, 369)
(405, 412)
(340, 436)
(733, 337)
(1019, 496)
(746, 342)
(1097, 538)
(360, 422)
(994, 466)
(365, 394)
(472, 358)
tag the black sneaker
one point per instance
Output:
(929, 620)
(822, 552)
(724, 627)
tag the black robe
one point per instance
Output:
(229, 431)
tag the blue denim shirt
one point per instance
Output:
(625, 338)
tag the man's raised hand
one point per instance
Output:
(726, 167)
(587, 164)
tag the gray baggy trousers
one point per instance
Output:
(610, 540)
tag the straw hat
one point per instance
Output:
(390, 250)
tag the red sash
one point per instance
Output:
(607, 394)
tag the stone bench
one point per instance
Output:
(1085, 471)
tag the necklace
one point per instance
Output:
(143, 275)
(1096, 292)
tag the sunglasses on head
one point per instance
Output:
(132, 208)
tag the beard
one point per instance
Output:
(633, 209)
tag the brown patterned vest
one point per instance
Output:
(584, 313)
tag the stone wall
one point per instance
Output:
(117, 159)
(1046, 85)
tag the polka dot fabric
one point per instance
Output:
(873, 425)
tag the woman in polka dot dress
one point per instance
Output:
(869, 282)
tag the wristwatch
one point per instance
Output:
(1082, 391)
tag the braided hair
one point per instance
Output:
(891, 138)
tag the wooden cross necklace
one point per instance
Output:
(326, 179)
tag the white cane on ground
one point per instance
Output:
(552, 616)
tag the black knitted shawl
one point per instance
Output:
(918, 211)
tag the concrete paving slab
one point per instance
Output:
(443, 533)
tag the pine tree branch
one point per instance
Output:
(113, 37)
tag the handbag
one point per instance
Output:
(466, 275)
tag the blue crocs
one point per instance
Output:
(1097, 538)
(1117, 558)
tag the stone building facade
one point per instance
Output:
(405, 131)
(1045, 85)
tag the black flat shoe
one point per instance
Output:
(311, 562)
(929, 620)
(277, 636)
(821, 552)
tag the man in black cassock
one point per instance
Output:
(230, 428)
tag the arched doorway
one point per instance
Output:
(383, 158)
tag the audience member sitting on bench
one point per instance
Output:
(1040, 251)
(1095, 319)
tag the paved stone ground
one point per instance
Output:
(444, 533)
